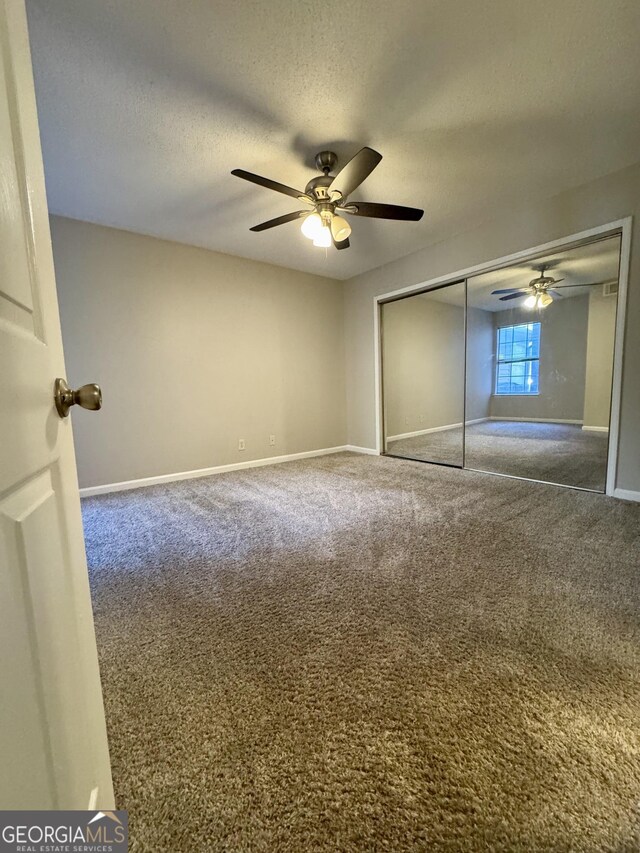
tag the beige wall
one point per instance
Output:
(599, 367)
(423, 363)
(194, 350)
(480, 363)
(563, 351)
(607, 199)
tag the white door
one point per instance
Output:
(53, 746)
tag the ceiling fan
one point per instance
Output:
(540, 289)
(326, 197)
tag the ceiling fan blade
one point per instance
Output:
(555, 293)
(279, 220)
(556, 280)
(271, 185)
(343, 244)
(354, 172)
(512, 296)
(509, 290)
(591, 284)
(383, 211)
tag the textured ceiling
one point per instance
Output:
(146, 106)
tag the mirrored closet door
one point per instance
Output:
(510, 372)
(423, 355)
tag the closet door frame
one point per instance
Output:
(621, 227)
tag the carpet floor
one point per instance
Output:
(356, 653)
(555, 453)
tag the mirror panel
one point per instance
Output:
(423, 363)
(540, 366)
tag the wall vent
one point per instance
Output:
(610, 288)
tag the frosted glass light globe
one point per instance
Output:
(311, 226)
(323, 239)
(340, 228)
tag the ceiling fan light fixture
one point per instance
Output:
(340, 228)
(323, 238)
(312, 226)
(545, 299)
(531, 301)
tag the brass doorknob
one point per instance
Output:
(89, 397)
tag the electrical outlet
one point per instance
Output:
(241, 444)
(272, 440)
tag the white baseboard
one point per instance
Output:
(626, 495)
(595, 428)
(433, 429)
(537, 420)
(417, 432)
(370, 451)
(218, 469)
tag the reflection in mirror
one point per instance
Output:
(423, 375)
(542, 366)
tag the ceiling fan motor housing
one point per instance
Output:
(542, 283)
(325, 161)
(318, 187)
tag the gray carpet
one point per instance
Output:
(555, 453)
(356, 653)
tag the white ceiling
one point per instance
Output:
(146, 106)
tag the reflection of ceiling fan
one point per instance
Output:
(539, 290)
(327, 199)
